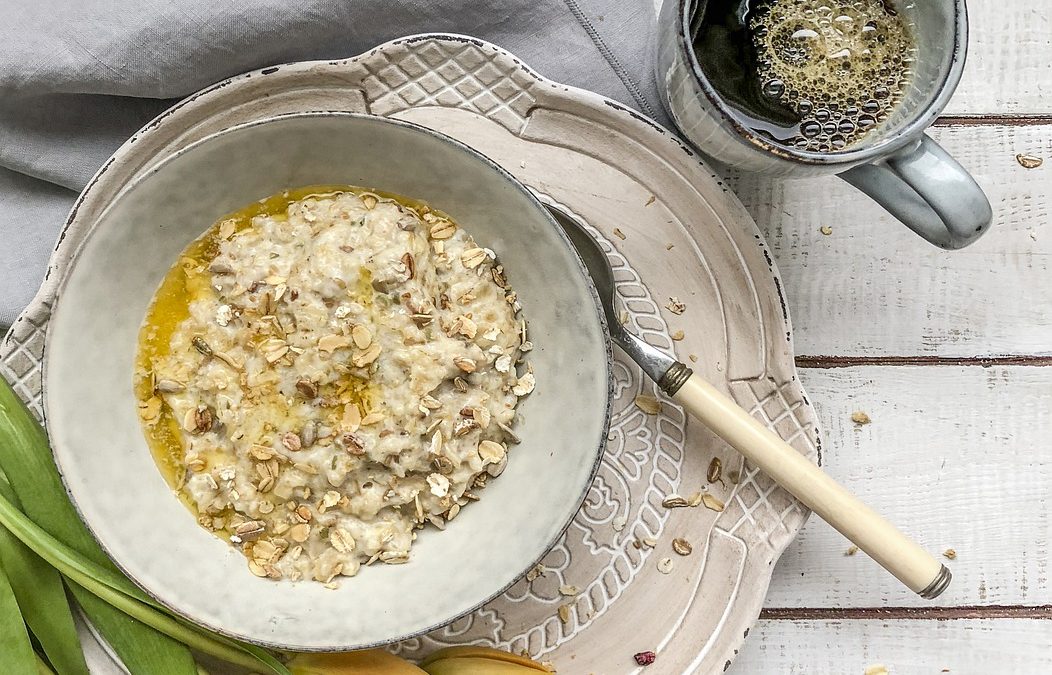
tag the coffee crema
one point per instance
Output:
(815, 75)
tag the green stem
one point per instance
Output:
(73, 566)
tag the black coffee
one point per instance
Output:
(813, 75)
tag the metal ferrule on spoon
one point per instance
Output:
(867, 529)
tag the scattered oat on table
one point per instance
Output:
(619, 234)
(651, 200)
(675, 306)
(669, 247)
(949, 554)
(681, 546)
(826, 230)
(851, 550)
(564, 613)
(648, 404)
(665, 565)
(678, 335)
(537, 571)
(619, 523)
(1028, 161)
(568, 590)
(860, 418)
(876, 669)
(693, 358)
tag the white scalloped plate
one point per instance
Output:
(680, 233)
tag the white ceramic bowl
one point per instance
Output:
(110, 473)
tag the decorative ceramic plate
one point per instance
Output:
(672, 230)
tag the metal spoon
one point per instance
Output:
(896, 552)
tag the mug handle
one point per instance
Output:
(929, 191)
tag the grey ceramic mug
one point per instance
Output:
(896, 164)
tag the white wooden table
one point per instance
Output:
(950, 354)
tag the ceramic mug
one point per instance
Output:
(896, 164)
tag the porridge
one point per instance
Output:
(327, 371)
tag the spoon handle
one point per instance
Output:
(867, 529)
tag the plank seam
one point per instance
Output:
(994, 119)
(981, 361)
(1043, 612)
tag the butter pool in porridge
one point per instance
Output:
(327, 371)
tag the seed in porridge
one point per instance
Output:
(442, 464)
(332, 342)
(369, 201)
(309, 434)
(460, 384)
(443, 229)
(465, 364)
(491, 452)
(465, 326)
(249, 530)
(341, 540)
(464, 426)
(308, 389)
(201, 346)
(150, 408)
(473, 257)
(299, 533)
(435, 447)
(372, 418)
(198, 420)
(292, 441)
(362, 336)
(169, 387)
(366, 357)
(439, 484)
(524, 385)
(352, 443)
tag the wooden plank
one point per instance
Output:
(846, 647)
(872, 288)
(1009, 49)
(958, 456)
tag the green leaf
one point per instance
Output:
(25, 457)
(15, 646)
(141, 649)
(117, 607)
(42, 600)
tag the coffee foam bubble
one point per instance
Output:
(841, 65)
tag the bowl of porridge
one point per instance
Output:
(326, 381)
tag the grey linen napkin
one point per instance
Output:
(78, 77)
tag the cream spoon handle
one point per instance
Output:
(867, 529)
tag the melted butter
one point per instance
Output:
(189, 280)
